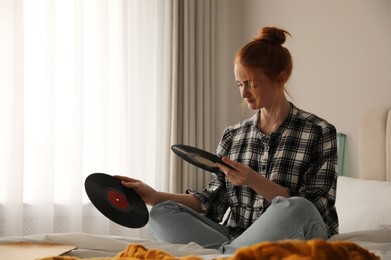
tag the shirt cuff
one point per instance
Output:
(203, 199)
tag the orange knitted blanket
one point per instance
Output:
(311, 249)
(284, 250)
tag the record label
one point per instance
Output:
(117, 199)
(204, 161)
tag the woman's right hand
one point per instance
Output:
(147, 193)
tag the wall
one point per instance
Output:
(229, 39)
(341, 52)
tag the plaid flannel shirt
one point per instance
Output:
(300, 156)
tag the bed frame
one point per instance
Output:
(375, 145)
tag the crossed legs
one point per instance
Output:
(286, 218)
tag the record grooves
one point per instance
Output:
(121, 205)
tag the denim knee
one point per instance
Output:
(178, 224)
(158, 215)
(301, 212)
(282, 209)
(292, 204)
(161, 209)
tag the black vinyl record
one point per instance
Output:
(121, 205)
(199, 157)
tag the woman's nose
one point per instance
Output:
(244, 92)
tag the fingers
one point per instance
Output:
(231, 175)
(125, 178)
(227, 170)
(237, 174)
(231, 163)
(234, 166)
(224, 168)
(127, 181)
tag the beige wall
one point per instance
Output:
(341, 52)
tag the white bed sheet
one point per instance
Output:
(88, 245)
(376, 241)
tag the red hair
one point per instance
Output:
(267, 53)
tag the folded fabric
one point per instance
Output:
(283, 250)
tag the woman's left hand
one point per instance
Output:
(240, 175)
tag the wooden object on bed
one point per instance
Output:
(375, 145)
(31, 251)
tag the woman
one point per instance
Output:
(283, 184)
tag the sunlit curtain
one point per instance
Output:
(199, 98)
(193, 97)
(79, 84)
(99, 86)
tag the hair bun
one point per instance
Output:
(272, 35)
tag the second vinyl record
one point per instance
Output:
(198, 157)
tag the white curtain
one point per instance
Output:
(79, 84)
(198, 98)
(99, 86)
(193, 98)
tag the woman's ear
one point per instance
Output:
(282, 78)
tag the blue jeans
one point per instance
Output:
(286, 218)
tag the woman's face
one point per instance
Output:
(256, 88)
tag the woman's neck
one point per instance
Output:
(271, 118)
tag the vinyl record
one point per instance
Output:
(199, 157)
(121, 205)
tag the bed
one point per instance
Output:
(363, 205)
